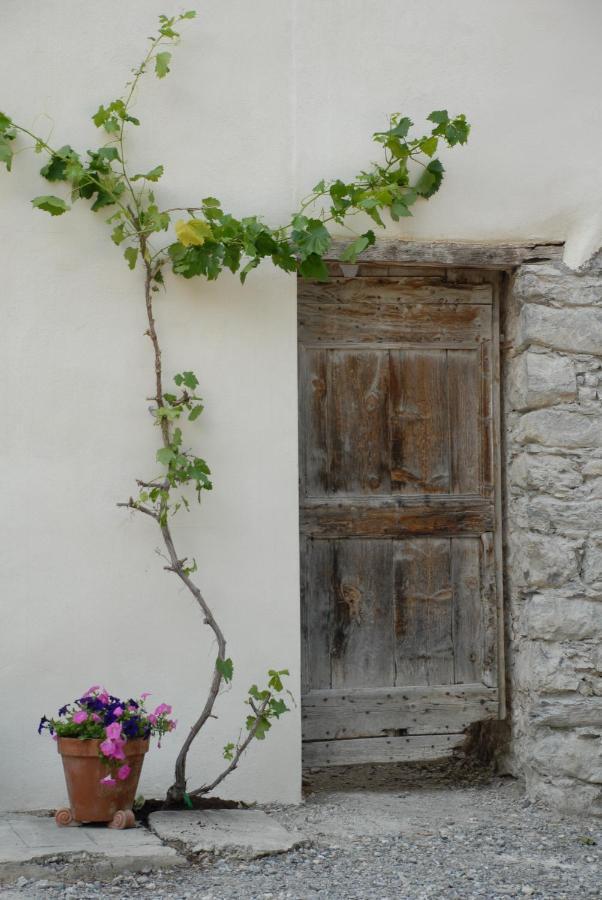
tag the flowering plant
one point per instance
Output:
(98, 715)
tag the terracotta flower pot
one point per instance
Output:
(89, 800)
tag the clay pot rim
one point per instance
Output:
(67, 746)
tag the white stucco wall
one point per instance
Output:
(263, 100)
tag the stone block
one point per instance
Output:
(543, 561)
(242, 833)
(541, 379)
(587, 394)
(556, 475)
(568, 330)
(568, 711)
(27, 840)
(553, 618)
(569, 753)
(592, 562)
(564, 794)
(559, 428)
(593, 467)
(564, 517)
(545, 668)
(556, 283)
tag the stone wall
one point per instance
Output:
(552, 388)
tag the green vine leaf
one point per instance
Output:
(55, 168)
(154, 175)
(53, 205)
(188, 379)
(118, 235)
(438, 116)
(195, 413)
(162, 61)
(262, 727)
(314, 267)
(131, 255)
(6, 152)
(275, 678)
(429, 145)
(430, 180)
(352, 251)
(225, 667)
(165, 455)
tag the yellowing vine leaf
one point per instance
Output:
(193, 233)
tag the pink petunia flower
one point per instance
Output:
(145, 695)
(162, 708)
(152, 718)
(92, 690)
(123, 772)
(95, 717)
(108, 780)
(118, 711)
(113, 730)
(80, 716)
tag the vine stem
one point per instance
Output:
(240, 749)
(177, 567)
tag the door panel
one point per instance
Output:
(397, 513)
(419, 413)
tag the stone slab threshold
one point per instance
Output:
(244, 834)
(32, 846)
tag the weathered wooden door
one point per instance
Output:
(399, 550)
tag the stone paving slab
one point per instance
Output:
(242, 833)
(27, 841)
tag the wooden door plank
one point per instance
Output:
(472, 254)
(378, 712)
(388, 294)
(396, 517)
(380, 750)
(464, 386)
(486, 421)
(316, 613)
(313, 431)
(468, 620)
(424, 651)
(358, 410)
(362, 653)
(420, 458)
(491, 627)
(500, 285)
(329, 318)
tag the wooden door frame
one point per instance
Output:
(499, 261)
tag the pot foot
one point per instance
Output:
(63, 817)
(123, 818)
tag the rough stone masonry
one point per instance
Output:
(552, 389)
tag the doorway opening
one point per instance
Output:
(400, 511)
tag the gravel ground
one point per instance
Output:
(386, 832)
